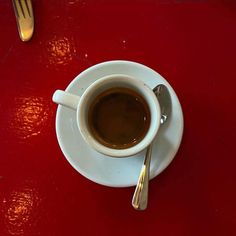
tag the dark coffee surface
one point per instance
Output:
(119, 118)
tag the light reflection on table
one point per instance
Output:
(30, 116)
(18, 210)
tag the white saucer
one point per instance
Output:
(117, 172)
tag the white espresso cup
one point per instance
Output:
(81, 106)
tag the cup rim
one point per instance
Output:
(150, 98)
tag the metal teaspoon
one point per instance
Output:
(140, 197)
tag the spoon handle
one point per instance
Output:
(140, 197)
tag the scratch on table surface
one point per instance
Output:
(7, 54)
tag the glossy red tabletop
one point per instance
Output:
(192, 43)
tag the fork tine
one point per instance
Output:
(30, 8)
(18, 8)
(24, 7)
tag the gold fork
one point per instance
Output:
(25, 18)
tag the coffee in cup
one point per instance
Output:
(119, 118)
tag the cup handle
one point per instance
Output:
(66, 99)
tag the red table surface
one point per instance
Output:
(192, 43)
